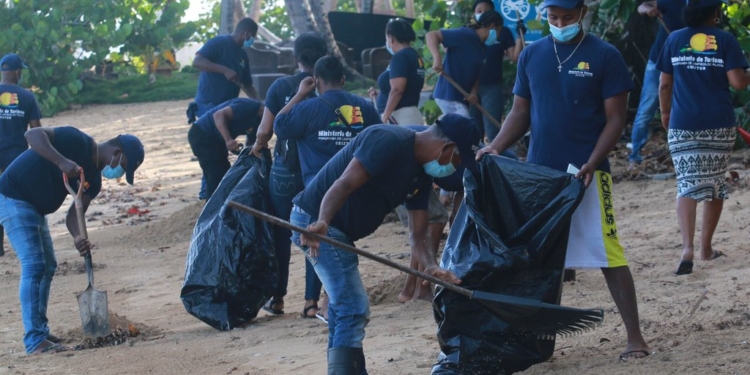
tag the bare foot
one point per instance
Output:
(407, 294)
(711, 254)
(324, 306)
(424, 293)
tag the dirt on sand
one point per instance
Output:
(144, 251)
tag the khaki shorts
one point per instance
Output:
(436, 213)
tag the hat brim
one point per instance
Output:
(129, 174)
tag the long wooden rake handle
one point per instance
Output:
(466, 94)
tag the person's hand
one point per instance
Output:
(473, 99)
(442, 274)
(486, 150)
(318, 227)
(654, 12)
(82, 245)
(232, 145)
(665, 120)
(385, 119)
(257, 147)
(586, 173)
(521, 27)
(437, 66)
(231, 75)
(372, 93)
(306, 86)
(69, 168)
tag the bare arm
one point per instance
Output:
(264, 133)
(398, 86)
(514, 127)
(222, 118)
(434, 38)
(739, 79)
(615, 110)
(40, 140)
(250, 91)
(665, 98)
(71, 221)
(203, 64)
(515, 51)
(419, 239)
(34, 124)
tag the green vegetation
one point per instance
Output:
(136, 89)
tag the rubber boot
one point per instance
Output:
(343, 361)
(360, 362)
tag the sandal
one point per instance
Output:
(321, 317)
(54, 339)
(52, 348)
(685, 268)
(269, 306)
(717, 254)
(307, 309)
(628, 355)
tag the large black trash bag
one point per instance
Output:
(231, 267)
(509, 237)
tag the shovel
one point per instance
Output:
(92, 302)
(527, 314)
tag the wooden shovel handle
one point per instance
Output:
(466, 94)
(78, 201)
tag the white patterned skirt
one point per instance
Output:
(700, 160)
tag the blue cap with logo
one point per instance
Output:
(464, 132)
(134, 152)
(705, 3)
(565, 4)
(12, 62)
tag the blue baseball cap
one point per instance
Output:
(565, 4)
(12, 62)
(705, 3)
(134, 152)
(464, 132)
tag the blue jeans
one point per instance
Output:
(646, 110)
(202, 109)
(491, 98)
(348, 304)
(285, 185)
(29, 235)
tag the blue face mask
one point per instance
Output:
(566, 33)
(434, 168)
(492, 38)
(113, 173)
(248, 42)
(388, 47)
(478, 16)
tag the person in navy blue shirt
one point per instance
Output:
(401, 84)
(212, 135)
(32, 187)
(491, 78)
(323, 125)
(465, 53)
(669, 14)
(286, 179)
(572, 90)
(383, 167)
(698, 65)
(18, 112)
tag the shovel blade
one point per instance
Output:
(92, 304)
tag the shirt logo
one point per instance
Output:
(581, 70)
(352, 115)
(9, 100)
(702, 44)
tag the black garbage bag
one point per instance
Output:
(509, 237)
(231, 266)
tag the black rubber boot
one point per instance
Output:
(360, 362)
(343, 361)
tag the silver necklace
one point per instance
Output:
(560, 63)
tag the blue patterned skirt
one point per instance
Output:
(700, 160)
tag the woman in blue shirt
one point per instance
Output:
(465, 52)
(491, 78)
(698, 64)
(400, 84)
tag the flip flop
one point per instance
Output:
(54, 339)
(625, 356)
(269, 306)
(685, 268)
(308, 308)
(54, 348)
(321, 317)
(717, 254)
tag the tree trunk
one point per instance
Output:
(226, 25)
(300, 16)
(253, 11)
(321, 19)
(383, 7)
(367, 6)
(331, 5)
(410, 8)
(358, 5)
(239, 13)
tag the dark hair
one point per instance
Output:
(401, 30)
(695, 15)
(490, 2)
(488, 18)
(329, 69)
(246, 25)
(309, 48)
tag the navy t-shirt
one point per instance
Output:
(405, 64)
(671, 13)
(387, 153)
(35, 180)
(319, 131)
(567, 107)
(214, 88)
(245, 119)
(464, 56)
(492, 69)
(280, 93)
(699, 58)
(17, 107)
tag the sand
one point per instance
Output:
(140, 263)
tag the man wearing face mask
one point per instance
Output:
(573, 87)
(18, 112)
(383, 167)
(33, 187)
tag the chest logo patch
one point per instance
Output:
(702, 44)
(9, 100)
(582, 69)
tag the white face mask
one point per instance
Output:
(478, 16)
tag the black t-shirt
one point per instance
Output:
(245, 119)
(387, 153)
(33, 179)
(404, 64)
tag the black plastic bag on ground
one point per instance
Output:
(509, 237)
(231, 266)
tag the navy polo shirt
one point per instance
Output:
(464, 56)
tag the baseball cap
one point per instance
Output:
(12, 62)
(565, 4)
(705, 3)
(133, 149)
(464, 132)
